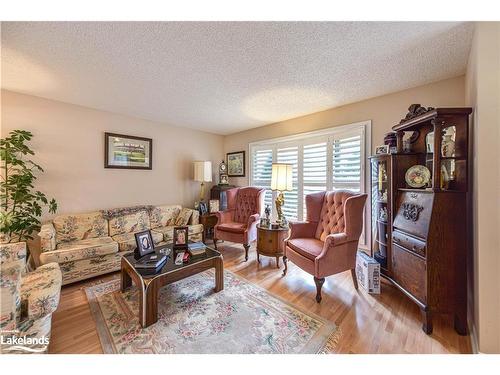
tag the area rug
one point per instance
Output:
(242, 318)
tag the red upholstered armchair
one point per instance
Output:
(239, 222)
(327, 242)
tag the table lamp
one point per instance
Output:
(202, 173)
(281, 180)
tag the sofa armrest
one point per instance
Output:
(304, 229)
(225, 216)
(10, 290)
(47, 236)
(12, 252)
(195, 218)
(40, 291)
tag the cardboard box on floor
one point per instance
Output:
(368, 273)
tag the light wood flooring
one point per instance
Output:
(386, 323)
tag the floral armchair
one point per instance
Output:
(28, 299)
(239, 222)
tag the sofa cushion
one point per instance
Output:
(163, 216)
(131, 223)
(183, 217)
(232, 227)
(307, 247)
(41, 289)
(126, 241)
(168, 232)
(80, 227)
(10, 286)
(83, 249)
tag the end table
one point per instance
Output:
(271, 242)
(209, 221)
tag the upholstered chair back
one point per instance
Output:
(336, 212)
(245, 201)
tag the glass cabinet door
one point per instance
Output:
(380, 209)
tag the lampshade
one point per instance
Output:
(281, 177)
(203, 171)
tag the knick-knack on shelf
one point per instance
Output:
(448, 144)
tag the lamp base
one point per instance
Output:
(280, 201)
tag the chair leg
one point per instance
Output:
(354, 278)
(246, 246)
(215, 243)
(319, 283)
(285, 264)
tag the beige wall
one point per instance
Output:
(483, 93)
(69, 143)
(384, 111)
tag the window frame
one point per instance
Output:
(329, 134)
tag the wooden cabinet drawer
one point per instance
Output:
(408, 242)
(410, 272)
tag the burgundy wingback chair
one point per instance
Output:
(327, 242)
(239, 222)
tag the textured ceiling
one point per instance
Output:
(224, 77)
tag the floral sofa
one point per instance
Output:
(28, 300)
(91, 244)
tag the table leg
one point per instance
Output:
(150, 315)
(286, 267)
(278, 262)
(258, 256)
(126, 280)
(219, 274)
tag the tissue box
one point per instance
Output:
(368, 273)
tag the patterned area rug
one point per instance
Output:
(243, 318)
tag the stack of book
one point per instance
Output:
(196, 248)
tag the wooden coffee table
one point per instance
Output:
(150, 283)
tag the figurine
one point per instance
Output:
(383, 214)
(267, 211)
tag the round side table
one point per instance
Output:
(271, 242)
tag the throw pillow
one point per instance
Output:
(183, 217)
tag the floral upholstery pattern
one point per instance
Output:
(131, 223)
(80, 227)
(75, 250)
(88, 245)
(162, 216)
(183, 217)
(195, 233)
(11, 252)
(47, 236)
(27, 299)
(126, 241)
(41, 289)
(86, 268)
(10, 286)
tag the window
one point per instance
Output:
(323, 160)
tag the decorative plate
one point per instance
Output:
(418, 176)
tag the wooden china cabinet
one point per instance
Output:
(420, 234)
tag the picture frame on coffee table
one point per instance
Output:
(181, 237)
(144, 242)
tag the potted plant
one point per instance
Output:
(21, 205)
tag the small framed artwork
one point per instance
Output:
(144, 242)
(213, 205)
(224, 179)
(181, 237)
(236, 164)
(127, 152)
(382, 150)
(203, 208)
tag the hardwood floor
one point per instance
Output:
(387, 323)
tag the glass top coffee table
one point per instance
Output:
(149, 283)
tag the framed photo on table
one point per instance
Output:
(144, 242)
(236, 164)
(127, 152)
(181, 237)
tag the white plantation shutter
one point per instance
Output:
(290, 155)
(262, 160)
(324, 160)
(314, 170)
(346, 153)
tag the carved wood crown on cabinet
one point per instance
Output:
(428, 234)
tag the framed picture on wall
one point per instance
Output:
(236, 164)
(127, 151)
